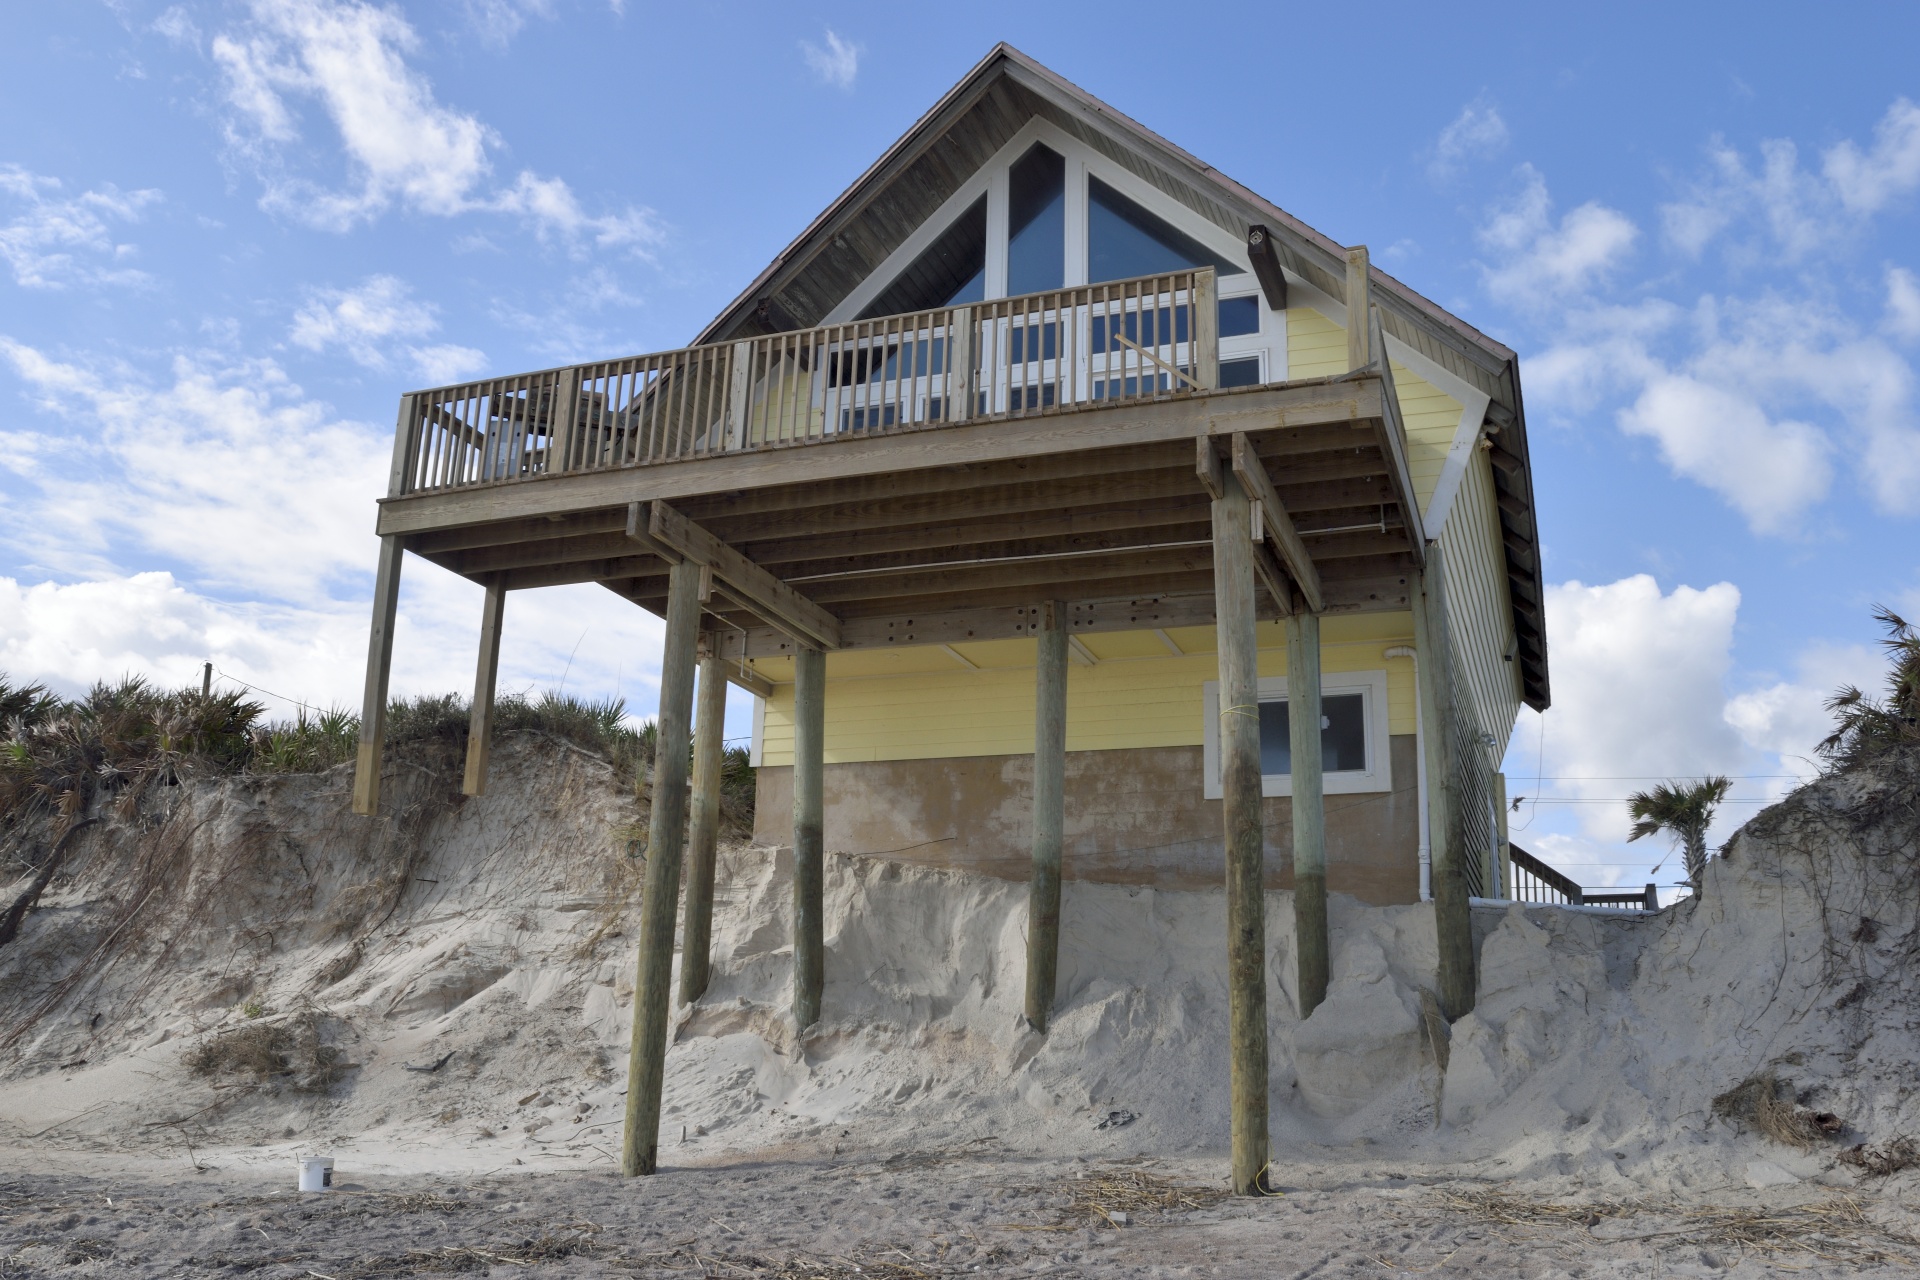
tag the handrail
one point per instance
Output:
(1542, 883)
(1150, 338)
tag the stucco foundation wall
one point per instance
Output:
(1133, 817)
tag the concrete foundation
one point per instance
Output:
(1132, 817)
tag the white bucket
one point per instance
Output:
(316, 1173)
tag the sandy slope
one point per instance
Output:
(496, 930)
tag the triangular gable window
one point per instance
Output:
(952, 270)
(1124, 240)
(1036, 222)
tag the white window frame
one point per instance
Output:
(1377, 776)
(991, 180)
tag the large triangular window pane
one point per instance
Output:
(1036, 222)
(952, 270)
(1124, 240)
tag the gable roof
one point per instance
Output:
(847, 242)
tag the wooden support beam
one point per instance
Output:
(809, 866)
(1359, 308)
(703, 835)
(373, 703)
(1266, 266)
(666, 843)
(1309, 810)
(1206, 330)
(1049, 814)
(1392, 433)
(1078, 651)
(1267, 568)
(485, 676)
(1453, 919)
(1173, 646)
(959, 657)
(1234, 601)
(765, 594)
(1273, 513)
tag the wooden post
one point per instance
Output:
(1049, 814)
(1309, 811)
(666, 839)
(1206, 329)
(960, 394)
(206, 682)
(480, 719)
(1235, 618)
(709, 728)
(809, 870)
(373, 703)
(1453, 919)
(1359, 315)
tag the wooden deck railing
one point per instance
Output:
(1150, 338)
(1535, 881)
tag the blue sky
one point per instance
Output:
(230, 233)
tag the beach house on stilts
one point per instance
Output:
(1074, 513)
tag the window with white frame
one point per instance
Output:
(1354, 753)
(1048, 212)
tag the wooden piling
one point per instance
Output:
(1453, 921)
(666, 839)
(485, 676)
(703, 837)
(1049, 814)
(809, 869)
(1234, 612)
(373, 704)
(1309, 810)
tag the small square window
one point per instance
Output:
(1240, 373)
(1354, 729)
(1239, 316)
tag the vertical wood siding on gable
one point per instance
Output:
(1117, 704)
(1478, 608)
(1317, 348)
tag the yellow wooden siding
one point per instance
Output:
(936, 707)
(1317, 348)
(1479, 612)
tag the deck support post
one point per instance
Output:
(1453, 917)
(666, 840)
(373, 705)
(809, 870)
(703, 837)
(485, 677)
(1234, 589)
(1309, 809)
(1049, 814)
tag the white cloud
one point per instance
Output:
(1637, 691)
(836, 63)
(177, 25)
(226, 468)
(1903, 303)
(1541, 262)
(1771, 471)
(499, 21)
(1758, 406)
(1797, 212)
(446, 363)
(1788, 718)
(1867, 182)
(51, 242)
(368, 323)
(1476, 133)
(363, 321)
(402, 145)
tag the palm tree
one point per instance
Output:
(1684, 811)
(1863, 726)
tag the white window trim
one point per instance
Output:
(756, 746)
(1378, 776)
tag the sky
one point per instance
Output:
(232, 231)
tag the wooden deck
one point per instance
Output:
(855, 486)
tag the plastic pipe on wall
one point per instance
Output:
(1420, 771)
